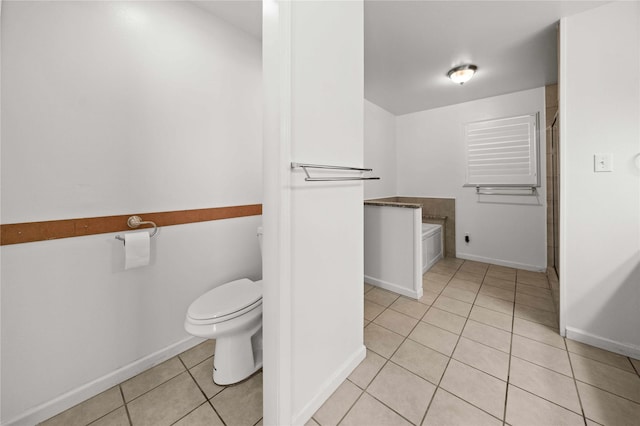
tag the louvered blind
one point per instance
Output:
(503, 152)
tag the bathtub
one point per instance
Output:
(431, 245)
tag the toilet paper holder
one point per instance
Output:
(135, 221)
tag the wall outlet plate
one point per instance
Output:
(603, 163)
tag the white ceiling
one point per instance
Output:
(410, 46)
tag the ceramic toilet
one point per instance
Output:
(231, 314)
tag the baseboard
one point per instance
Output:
(603, 343)
(394, 287)
(330, 386)
(500, 262)
(93, 388)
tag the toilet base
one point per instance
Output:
(237, 357)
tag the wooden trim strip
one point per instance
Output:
(17, 233)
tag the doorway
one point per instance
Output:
(553, 192)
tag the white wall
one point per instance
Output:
(114, 108)
(314, 80)
(0, 218)
(505, 230)
(600, 212)
(380, 151)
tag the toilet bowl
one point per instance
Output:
(231, 314)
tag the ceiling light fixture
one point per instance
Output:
(462, 74)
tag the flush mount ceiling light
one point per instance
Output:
(462, 74)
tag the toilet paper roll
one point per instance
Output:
(137, 249)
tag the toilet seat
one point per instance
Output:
(225, 302)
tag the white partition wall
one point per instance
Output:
(313, 231)
(600, 211)
(393, 249)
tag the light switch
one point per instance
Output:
(603, 163)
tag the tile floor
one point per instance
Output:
(179, 392)
(480, 347)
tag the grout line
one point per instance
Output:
(513, 320)
(207, 400)
(173, 423)
(467, 402)
(362, 392)
(454, 350)
(553, 327)
(155, 387)
(548, 400)
(126, 406)
(201, 390)
(384, 309)
(541, 366)
(387, 360)
(632, 372)
(348, 410)
(194, 379)
(482, 343)
(607, 391)
(428, 347)
(216, 411)
(381, 402)
(101, 417)
(494, 310)
(575, 383)
(570, 365)
(542, 343)
(633, 366)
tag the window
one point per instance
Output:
(503, 152)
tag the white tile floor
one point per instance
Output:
(179, 391)
(480, 347)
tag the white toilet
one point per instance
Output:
(231, 314)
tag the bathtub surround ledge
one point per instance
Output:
(392, 204)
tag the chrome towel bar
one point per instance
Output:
(309, 178)
(524, 190)
(135, 221)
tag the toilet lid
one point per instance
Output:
(225, 299)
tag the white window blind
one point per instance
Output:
(503, 152)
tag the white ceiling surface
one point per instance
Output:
(410, 46)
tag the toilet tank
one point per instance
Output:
(431, 245)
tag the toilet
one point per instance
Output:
(231, 314)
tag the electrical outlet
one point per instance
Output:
(467, 239)
(602, 163)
